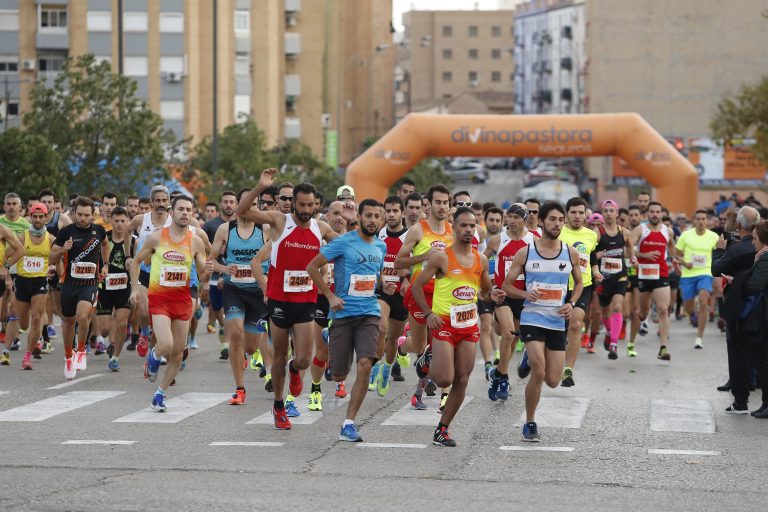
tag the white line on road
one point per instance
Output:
(682, 416)
(391, 445)
(247, 443)
(555, 412)
(408, 416)
(307, 417)
(4, 392)
(50, 407)
(536, 448)
(179, 408)
(98, 442)
(655, 451)
(77, 381)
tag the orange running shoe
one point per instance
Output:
(584, 340)
(281, 419)
(623, 332)
(238, 398)
(341, 390)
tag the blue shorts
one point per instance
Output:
(690, 286)
(215, 299)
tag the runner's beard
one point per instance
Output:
(304, 217)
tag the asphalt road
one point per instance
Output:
(601, 434)
(502, 185)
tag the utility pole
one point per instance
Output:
(214, 142)
(120, 37)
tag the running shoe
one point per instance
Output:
(221, 337)
(238, 397)
(341, 390)
(694, 320)
(257, 361)
(383, 382)
(443, 399)
(281, 419)
(735, 408)
(519, 346)
(69, 368)
(607, 342)
(315, 401)
(268, 386)
(295, 384)
(326, 335)
(488, 370)
(113, 364)
(327, 374)
(143, 346)
(110, 350)
(153, 366)
(503, 392)
(52, 331)
(26, 362)
(374, 373)
(193, 343)
(531, 432)
(496, 356)
(101, 347)
(132, 345)
(47, 347)
(5, 358)
(643, 330)
(16, 344)
(224, 351)
(697, 343)
(350, 433)
(590, 348)
(441, 437)
(623, 332)
(404, 360)
(290, 408)
(430, 388)
(199, 312)
(523, 368)
(613, 352)
(262, 372)
(631, 350)
(81, 361)
(211, 328)
(397, 374)
(664, 354)
(38, 349)
(584, 341)
(158, 403)
(493, 387)
(567, 380)
(417, 404)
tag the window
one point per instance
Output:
(135, 21)
(242, 65)
(100, 21)
(10, 109)
(511, 77)
(9, 64)
(135, 66)
(495, 53)
(472, 76)
(172, 65)
(53, 17)
(9, 20)
(172, 22)
(447, 53)
(242, 107)
(473, 53)
(496, 31)
(473, 31)
(496, 76)
(172, 110)
(447, 76)
(242, 22)
(50, 63)
(103, 58)
(447, 31)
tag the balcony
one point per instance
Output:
(566, 63)
(292, 128)
(292, 85)
(292, 6)
(566, 32)
(292, 45)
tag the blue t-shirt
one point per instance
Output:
(357, 266)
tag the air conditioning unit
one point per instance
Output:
(173, 78)
(28, 65)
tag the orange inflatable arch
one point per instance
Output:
(626, 135)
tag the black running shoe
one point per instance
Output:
(397, 374)
(443, 438)
(422, 363)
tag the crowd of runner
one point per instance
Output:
(291, 284)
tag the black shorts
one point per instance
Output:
(321, 310)
(2, 287)
(584, 300)
(245, 303)
(674, 280)
(515, 305)
(631, 283)
(144, 279)
(485, 307)
(285, 314)
(648, 285)
(553, 339)
(113, 299)
(397, 309)
(610, 287)
(28, 287)
(71, 296)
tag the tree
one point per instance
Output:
(427, 173)
(105, 137)
(28, 164)
(744, 115)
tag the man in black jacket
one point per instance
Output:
(737, 258)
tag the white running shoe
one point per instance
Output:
(69, 368)
(81, 362)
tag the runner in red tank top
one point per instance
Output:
(291, 294)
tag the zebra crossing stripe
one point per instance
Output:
(259, 444)
(56, 405)
(98, 442)
(656, 451)
(179, 408)
(406, 416)
(307, 417)
(558, 412)
(682, 416)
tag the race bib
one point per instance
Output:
(699, 260)
(550, 294)
(83, 270)
(33, 264)
(463, 316)
(330, 273)
(362, 285)
(173, 276)
(243, 275)
(117, 281)
(296, 281)
(507, 266)
(648, 271)
(389, 274)
(584, 263)
(610, 265)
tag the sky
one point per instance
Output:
(401, 6)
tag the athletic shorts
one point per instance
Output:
(455, 335)
(71, 296)
(144, 278)
(396, 303)
(113, 299)
(285, 314)
(610, 287)
(175, 310)
(648, 285)
(321, 310)
(214, 297)
(584, 300)
(631, 283)
(690, 286)
(485, 307)
(352, 336)
(553, 339)
(28, 287)
(674, 280)
(515, 305)
(245, 303)
(2, 287)
(413, 308)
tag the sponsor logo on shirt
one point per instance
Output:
(173, 256)
(464, 293)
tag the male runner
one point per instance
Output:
(358, 258)
(15, 221)
(488, 343)
(173, 250)
(83, 245)
(211, 211)
(55, 221)
(548, 265)
(532, 220)
(413, 210)
(132, 207)
(406, 188)
(108, 203)
(460, 276)
(285, 198)
(695, 247)
(643, 201)
(632, 306)
(11, 251)
(145, 205)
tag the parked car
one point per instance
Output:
(475, 173)
(552, 190)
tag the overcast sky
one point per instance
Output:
(401, 6)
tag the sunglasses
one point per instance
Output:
(268, 203)
(536, 212)
(285, 198)
(462, 203)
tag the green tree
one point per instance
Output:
(744, 115)
(427, 173)
(105, 137)
(28, 164)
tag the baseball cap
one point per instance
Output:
(345, 190)
(596, 217)
(38, 208)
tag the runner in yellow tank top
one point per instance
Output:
(10, 252)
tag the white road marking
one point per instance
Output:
(247, 443)
(98, 442)
(4, 392)
(307, 417)
(655, 451)
(556, 412)
(50, 407)
(536, 448)
(408, 416)
(77, 381)
(179, 408)
(391, 445)
(682, 416)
